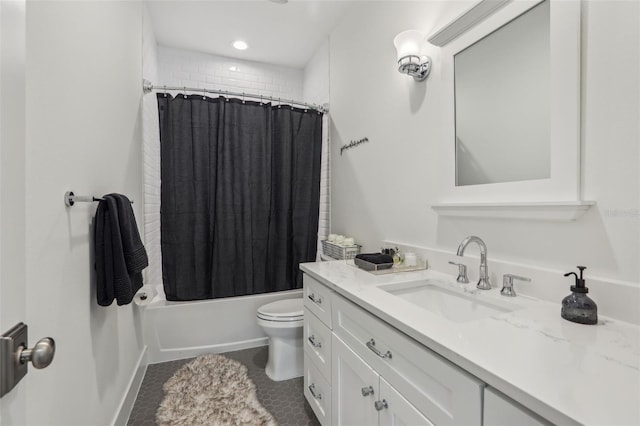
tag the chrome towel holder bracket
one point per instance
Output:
(70, 199)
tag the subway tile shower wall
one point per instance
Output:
(193, 69)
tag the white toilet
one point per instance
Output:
(282, 323)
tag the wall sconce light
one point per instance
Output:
(409, 45)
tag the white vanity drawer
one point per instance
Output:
(317, 343)
(444, 393)
(317, 298)
(317, 391)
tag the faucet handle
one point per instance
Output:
(507, 284)
(462, 272)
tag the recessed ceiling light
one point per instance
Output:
(240, 45)
(234, 68)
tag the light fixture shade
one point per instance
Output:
(410, 61)
(409, 43)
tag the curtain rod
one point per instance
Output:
(148, 87)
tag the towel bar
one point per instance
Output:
(70, 199)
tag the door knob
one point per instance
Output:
(15, 356)
(40, 355)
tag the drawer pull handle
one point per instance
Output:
(312, 389)
(317, 301)
(312, 340)
(367, 391)
(371, 344)
(380, 405)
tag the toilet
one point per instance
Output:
(282, 322)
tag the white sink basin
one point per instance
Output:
(452, 304)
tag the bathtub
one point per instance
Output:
(178, 330)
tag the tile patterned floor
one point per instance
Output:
(285, 400)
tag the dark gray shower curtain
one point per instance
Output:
(239, 196)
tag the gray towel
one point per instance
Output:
(119, 253)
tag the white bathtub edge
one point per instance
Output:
(179, 330)
(192, 352)
(129, 398)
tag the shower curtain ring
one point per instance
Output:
(292, 102)
(184, 91)
(165, 90)
(243, 98)
(204, 94)
(279, 103)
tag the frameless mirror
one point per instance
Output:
(502, 103)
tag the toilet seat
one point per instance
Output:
(287, 310)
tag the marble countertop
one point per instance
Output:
(568, 373)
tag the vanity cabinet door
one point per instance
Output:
(317, 391)
(397, 410)
(448, 395)
(500, 410)
(354, 388)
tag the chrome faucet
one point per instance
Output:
(483, 282)
(462, 272)
(507, 284)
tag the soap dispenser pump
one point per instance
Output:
(578, 307)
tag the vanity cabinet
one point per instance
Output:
(317, 343)
(360, 396)
(317, 391)
(349, 351)
(500, 410)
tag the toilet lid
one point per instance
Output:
(282, 310)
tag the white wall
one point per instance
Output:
(84, 90)
(315, 81)
(383, 189)
(151, 155)
(315, 90)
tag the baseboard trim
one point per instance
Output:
(129, 398)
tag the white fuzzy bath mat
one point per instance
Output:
(212, 390)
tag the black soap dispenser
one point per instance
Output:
(578, 307)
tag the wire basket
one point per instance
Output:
(339, 252)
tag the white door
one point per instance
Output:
(74, 125)
(12, 188)
(354, 388)
(396, 410)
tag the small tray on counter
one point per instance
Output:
(377, 270)
(401, 268)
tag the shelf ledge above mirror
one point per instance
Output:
(547, 211)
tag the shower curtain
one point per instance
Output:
(239, 195)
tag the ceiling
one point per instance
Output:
(283, 34)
